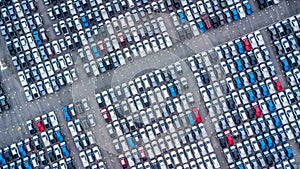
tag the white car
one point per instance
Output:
(53, 119)
(141, 49)
(97, 153)
(174, 19)
(56, 47)
(24, 43)
(154, 44)
(48, 86)
(188, 14)
(22, 78)
(84, 159)
(49, 68)
(259, 38)
(28, 93)
(148, 47)
(45, 139)
(68, 77)
(161, 42)
(30, 40)
(241, 10)
(194, 29)
(72, 128)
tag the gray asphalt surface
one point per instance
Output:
(12, 126)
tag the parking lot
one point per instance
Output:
(13, 121)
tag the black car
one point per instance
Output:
(51, 154)
(252, 58)
(204, 77)
(169, 5)
(188, 31)
(7, 154)
(236, 118)
(221, 18)
(214, 20)
(222, 140)
(110, 10)
(261, 4)
(230, 103)
(249, 111)
(269, 2)
(70, 164)
(176, 4)
(234, 152)
(287, 27)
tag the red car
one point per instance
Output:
(206, 21)
(256, 108)
(39, 123)
(123, 161)
(277, 83)
(122, 40)
(246, 43)
(143, 155)
(229, 138)
(102, 47)
(105, 115)
(196, 112)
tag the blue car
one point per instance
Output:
(264, 90)
(276, 119)
(237, 81)
(64, 149)
(200, 25)
(96, 52)
(234, 13)
(262, 143)
(58, 134)
(285, 64)
(251, 75)
(2, 160)
(27, 165)
(288, 150)
(84, 21)
(37, 38)
(191, 118)
(240, 46)
(270, 142)
(250, 94)
(270, 105)
(239, 65)
(172, 90)
(21, 150)
(239, 165)
(247, 7)
(66, 113)
(181, 16)
(130, 141)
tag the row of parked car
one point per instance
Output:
(251, 132)
(262, 4)
(32, 55)
(136, 134)
(150, 115)
(46, 147)
(140, 85)
(84, 141)
(196, 15)
(4, 105)
(12, 10)
(187, 157)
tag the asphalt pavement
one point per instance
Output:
(12, 123)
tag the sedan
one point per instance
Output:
(277, 83)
